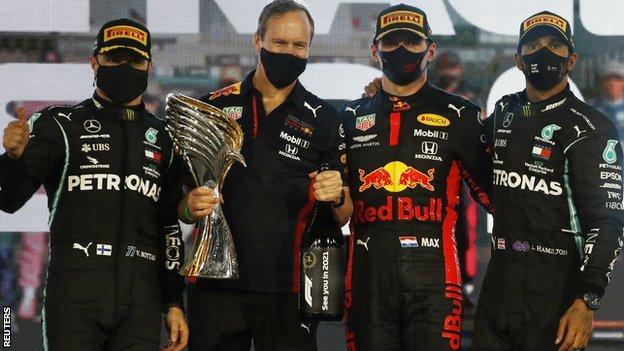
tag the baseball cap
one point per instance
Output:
(545, 23)
(402, 17)
(124, 33)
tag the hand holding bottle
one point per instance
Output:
(327, 185)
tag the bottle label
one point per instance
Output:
(323, 281)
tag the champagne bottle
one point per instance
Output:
(321, 284)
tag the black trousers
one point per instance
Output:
(100, 326)
(223, 319)
(522, 300)
(404, 298)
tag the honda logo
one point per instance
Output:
(293, 150)
(429, 147)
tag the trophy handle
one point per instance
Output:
(235, 155)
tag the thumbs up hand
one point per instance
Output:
(16, 135)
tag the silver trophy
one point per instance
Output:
(210, 143)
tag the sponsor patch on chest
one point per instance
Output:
(364, 123)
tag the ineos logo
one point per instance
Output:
(92, 126)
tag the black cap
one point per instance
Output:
(124, 33)
(402, 17)
(545, 23)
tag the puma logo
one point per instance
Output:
(578, 131)
(364, 243)
(305, 104)
(352, 109)
(64, 115)
(458, 110)
(306, 327)
(80, 247)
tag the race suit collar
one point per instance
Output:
(112, 110)
(405, 103)
(554, 103)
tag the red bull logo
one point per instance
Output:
(412, 177)
(406, 210)
(396, 176)
(230, 89)
(378, 178)
(453, 320)
(400, 105)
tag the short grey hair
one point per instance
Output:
(277, 8)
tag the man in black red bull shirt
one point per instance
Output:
(408, 147)
(289, 132)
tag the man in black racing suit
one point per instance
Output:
(408, 148)
(108, 168)
(558, 204)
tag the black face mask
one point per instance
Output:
(544, 69)
(281, 69)
(122, 83)
(402, 66)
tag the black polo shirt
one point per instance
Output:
(268, 202)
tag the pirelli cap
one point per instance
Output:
(402, 17)
(545, 23)
(124, 33)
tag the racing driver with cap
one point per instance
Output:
(558, 199)
(408, 148)
(108, 168)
